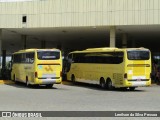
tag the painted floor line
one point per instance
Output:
(6, 82)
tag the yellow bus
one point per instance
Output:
(111, 67)
(37, 67)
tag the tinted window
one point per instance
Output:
(103, 57)
(138, 55)
(48, 55)
(23, 58)
(17, 58)
(29, 58)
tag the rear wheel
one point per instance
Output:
(49, 85)
(73, 79)
(102, 83)
(109, 84)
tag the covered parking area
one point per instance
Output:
(75, 25)
(78, 38)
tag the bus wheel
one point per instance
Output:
(109, 84)
(49, 85)
(102, 83)
(132, 88)
(73, 79)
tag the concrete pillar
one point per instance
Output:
(3, 56)
(43, 44)
(0, 47)
(3, 71)
(24, 39)
(124, 40)
(112, 36)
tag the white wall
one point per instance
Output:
(66, 13)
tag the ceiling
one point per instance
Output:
(71, 38)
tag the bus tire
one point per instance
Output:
(49, 85)
(102, 83)
(131, 88)
(109, 84)
(73, 79)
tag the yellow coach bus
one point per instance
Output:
(37, 67)
(111, 67)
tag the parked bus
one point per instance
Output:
(37, 67)
(111, 67)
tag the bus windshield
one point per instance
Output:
(138, 55)
(48, 55)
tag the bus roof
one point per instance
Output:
(105, 48)
(108, 49)
(34, 49)
(96, 50)
(140, 48)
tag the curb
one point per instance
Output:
(6, 82)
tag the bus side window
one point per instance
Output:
(31, 57)
(119, 57)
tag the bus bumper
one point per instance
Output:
(48, 81)
(137, 83)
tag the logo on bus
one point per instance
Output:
(48, 68)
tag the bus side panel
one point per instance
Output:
(117, 71)
(18, 72)
(91, 73)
